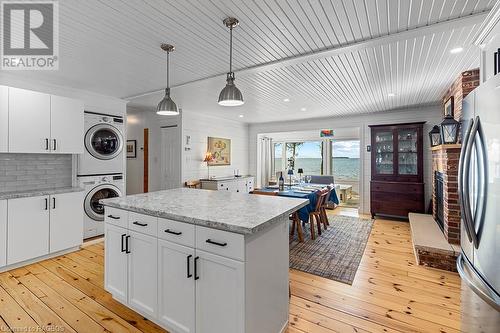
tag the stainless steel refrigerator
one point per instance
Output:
(479, 191)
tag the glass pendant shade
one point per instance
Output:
(167, 106)
(435, 136)
(449, 130)
(230, 95)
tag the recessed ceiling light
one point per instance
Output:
(456, 50)
(303, 109)
(286, 100)
(391, 94)
(241, 116)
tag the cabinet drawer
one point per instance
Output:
(142, 223)
(404, 188)
(226, 244)
(116, 216)
(177, 232)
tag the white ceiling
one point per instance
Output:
(331, 57)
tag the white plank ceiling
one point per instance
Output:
(329, 57)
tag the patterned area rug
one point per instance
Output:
(335, 254)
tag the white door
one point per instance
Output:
(3, 233)
(29, 121)
(27, 228)
(115, 265)
(66, 227)
(143, 274)
(67, 125)
(176, 297)
(171, 158)
(4, 119)
(220, 290)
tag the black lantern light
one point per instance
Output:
(300, 172)
(435, 136)
(449, 130)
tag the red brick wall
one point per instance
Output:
(463, 85)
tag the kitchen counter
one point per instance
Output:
(38, 192)
(234, 212)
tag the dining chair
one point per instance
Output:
(193, 184)
(296, 224)
(315, 216)
(325, 206)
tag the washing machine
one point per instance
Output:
(97, 188)
(104, 145)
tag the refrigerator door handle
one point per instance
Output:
(483, 189)
(462, 178)
(476, 283)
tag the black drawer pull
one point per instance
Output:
(127, 248)
(114, 217)
(216, 243)
(177, 233)
(140, 224)
(189, 266)
(123, 242)
(196, 276)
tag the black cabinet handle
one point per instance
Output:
(55, 144)
(196, 277)
(46, 204)
(140, 224)
(127, 248)
(46, 144)
(216, 243)
(123, 242)
(114, 217)
(53, 203)
(177, 233)
(189, 266)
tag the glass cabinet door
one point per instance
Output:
(407, 152)
(384, 153)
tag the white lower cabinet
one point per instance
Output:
(116, 272)
(3, 232)
(66, 227)
(176, 287)
(220, 292)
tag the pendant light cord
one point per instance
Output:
(168, 58)
(231, 49)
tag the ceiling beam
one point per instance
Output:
(448, 25)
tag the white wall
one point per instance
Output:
(430, 114)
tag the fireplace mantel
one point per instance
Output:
(447, 146)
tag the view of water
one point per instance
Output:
(343, 168)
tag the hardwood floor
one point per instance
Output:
(389, 294)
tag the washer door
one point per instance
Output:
(92, 207)
(104, 141)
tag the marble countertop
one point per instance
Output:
(234, 212)
(225, 178)
(38, 192)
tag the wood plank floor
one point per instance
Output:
(389, 294)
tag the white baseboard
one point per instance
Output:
(38, 259)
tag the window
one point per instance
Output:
(345, 160)
(278, 159)
(306, 155)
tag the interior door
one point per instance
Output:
(176, 292)
(3, 233)
(116, 261)
(66, 227)
(220, 290)
(143, 274)
(29, 121)
(171, 157)
(67, 125)
(27, 229)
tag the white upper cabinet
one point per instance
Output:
(29, 121)
(3, 233)
(4, 119)
(67, 124)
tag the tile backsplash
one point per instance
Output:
(20, 172)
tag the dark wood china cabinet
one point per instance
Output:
(397, 184)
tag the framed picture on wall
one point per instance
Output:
(221, 151)
(131, 148)
(449, 107)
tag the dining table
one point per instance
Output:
(307, 191)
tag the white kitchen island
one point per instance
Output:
(201, 261)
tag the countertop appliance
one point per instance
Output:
(97, 188)
(104, 142)
(479, 190)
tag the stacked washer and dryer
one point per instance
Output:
(101, 167)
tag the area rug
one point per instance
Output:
(335, 254)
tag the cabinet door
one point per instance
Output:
(176, 297)
(115, 265)
(27, 229)
(29, 121)
(67, 129)
(241, 186)
(383, 152)
(66, 227)
(143, 274)
(220, 290)
(4, 119)
(3, 233)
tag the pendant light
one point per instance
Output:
(230, 95)
(167, 106)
